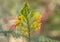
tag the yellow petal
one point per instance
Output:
(37, 16)
(20, 18)
(18, 24)
(25, 31)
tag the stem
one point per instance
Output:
(28, 29)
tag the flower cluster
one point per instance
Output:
(20, 21)
(35, 26)
(28, 21)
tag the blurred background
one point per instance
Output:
(49, 9)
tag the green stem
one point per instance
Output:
(28, 29)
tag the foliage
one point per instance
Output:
(44, 39)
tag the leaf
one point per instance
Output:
(32, 13)
(30, 16)
(26, 10)
(16, 35)
(43, 39)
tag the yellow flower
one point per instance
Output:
(18, 24)
(20, 21)
(21, 18)
(25, 31)
(36, 26)
(36, 29)
(37, 16)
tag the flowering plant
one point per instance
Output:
(27, 23)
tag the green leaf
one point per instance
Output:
(32, 13)
(16, 35)
(44, 39)
(4, 32)
(26, 10)
(30, 16)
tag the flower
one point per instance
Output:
(25, 31)
(18, 24)
(21, 18)
(20, 21)
(36, 26)
(37, 16)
